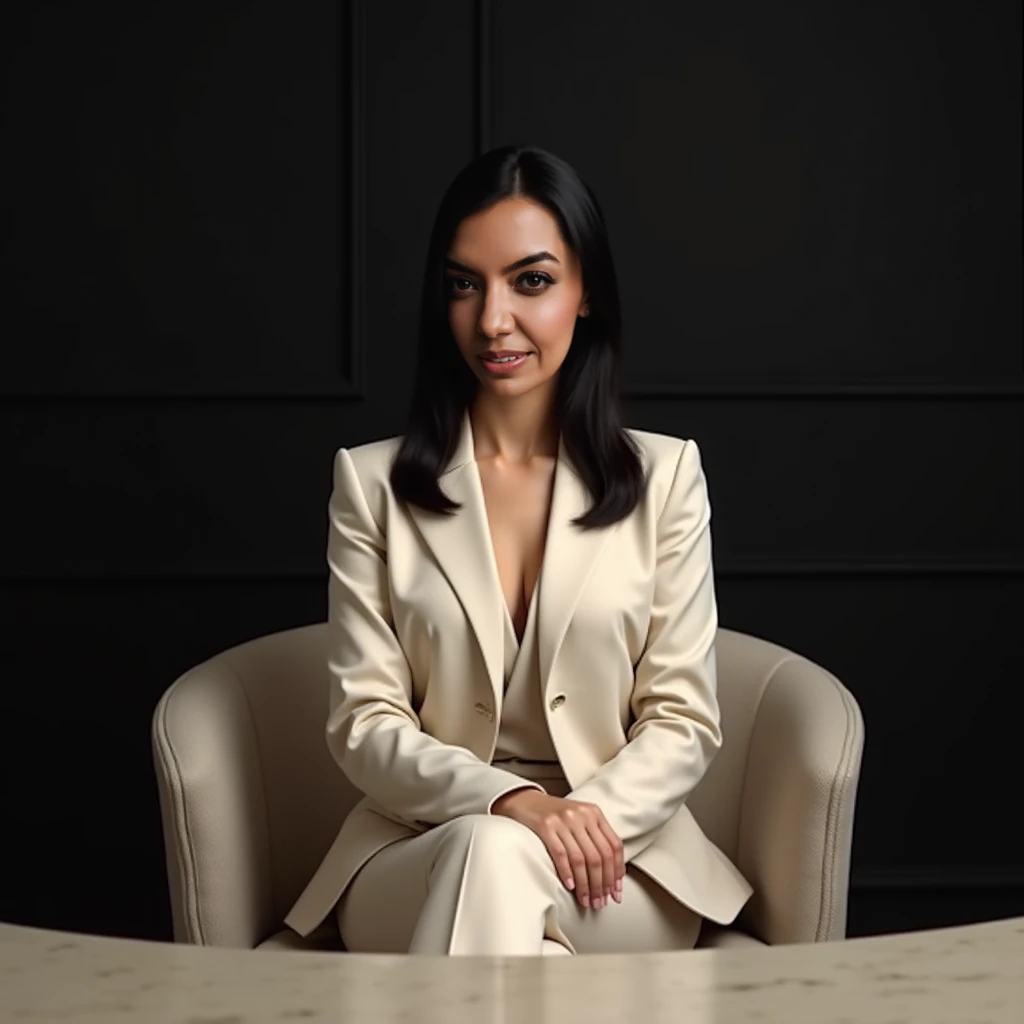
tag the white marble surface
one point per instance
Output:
(970, 974)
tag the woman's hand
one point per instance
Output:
(586, 852)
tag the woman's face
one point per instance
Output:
(512, 284)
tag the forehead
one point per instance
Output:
(506, 231)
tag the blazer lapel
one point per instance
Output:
(461, 544)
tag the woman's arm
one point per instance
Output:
(676, 732)
(373, 732)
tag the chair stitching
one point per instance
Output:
(176, 777)
(833, 815)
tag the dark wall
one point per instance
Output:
(213, 226)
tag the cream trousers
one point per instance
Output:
(486, 885)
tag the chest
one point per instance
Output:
(518, 504)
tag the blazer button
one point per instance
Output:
(484, 710)
(557, 702)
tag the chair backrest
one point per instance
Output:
(250, 792)
(307, 796)
(284, 677)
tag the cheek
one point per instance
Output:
(456, 315)
(554, 321)
(460, 323)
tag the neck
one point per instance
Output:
(516, 429)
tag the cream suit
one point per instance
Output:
(623, 620)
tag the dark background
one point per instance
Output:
(213, 221)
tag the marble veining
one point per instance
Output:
(973, 973)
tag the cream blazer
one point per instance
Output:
(626, 624)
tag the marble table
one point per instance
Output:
(970, 974)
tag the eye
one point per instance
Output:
(541, 278)
(452, 290)
(459, 286)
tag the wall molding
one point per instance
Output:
(795, 391)
(485, 59)
(938, 878)
(354, 367)
(485, 76)
(354, 385)
(879, 569)
(846, 569)
(351, 362)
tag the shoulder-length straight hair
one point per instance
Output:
(587, 400)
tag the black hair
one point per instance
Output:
(587, 397)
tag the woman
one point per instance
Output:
(523, 615)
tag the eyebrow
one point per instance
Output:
(536, 257)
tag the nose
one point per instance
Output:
(495, 315)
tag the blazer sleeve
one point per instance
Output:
(676, 729)
(373, 732)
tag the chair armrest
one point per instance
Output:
(796, 812)
(213, 809)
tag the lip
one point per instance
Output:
(501, 353)
(502, 369)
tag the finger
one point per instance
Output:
(605, 849)
(559, 857)
(578, 861)
(594, 861)
(617, 850)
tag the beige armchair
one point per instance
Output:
(251, 798)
